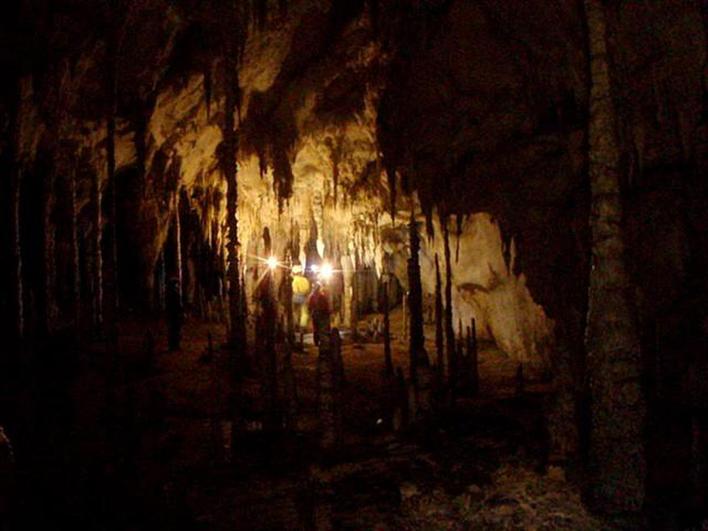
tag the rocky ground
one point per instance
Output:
(130, 442)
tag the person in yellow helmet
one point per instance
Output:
(301, 291)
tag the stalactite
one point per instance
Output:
(611, 338)
(391, 176)
(439, 335)
(267, 244)
(428, 214)
(459, 220)
(418, 355)
(282, 175)
(449, 331)
(335, 155)
(318, 221)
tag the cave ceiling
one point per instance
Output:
(452, 106)
(448, 93)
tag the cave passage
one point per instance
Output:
(362, 264)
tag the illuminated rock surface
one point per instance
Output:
(350, 112)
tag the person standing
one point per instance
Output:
(319, 306)
(301, 290)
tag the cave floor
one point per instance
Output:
(123, 443)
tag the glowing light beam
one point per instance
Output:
(326, 271)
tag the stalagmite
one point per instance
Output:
(112, 280)
(449, 331)
(177, 243)
(74, 251)
(48, 239)
(418, 356)
(388, 361)
(611, 338)
(404, 320)
(16, 283)
(245, 312)
(97, 258)
(230, 34)
(16, 253)
(439, 336)
(474, 359)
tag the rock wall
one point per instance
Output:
(485, 286)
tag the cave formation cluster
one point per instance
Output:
(340, 121)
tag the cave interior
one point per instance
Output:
(498, 212)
